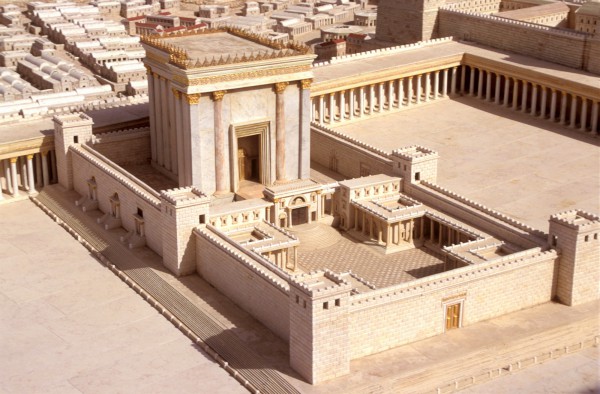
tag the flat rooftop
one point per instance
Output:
(522, 166)
(207, 46)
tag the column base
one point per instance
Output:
(222, 197)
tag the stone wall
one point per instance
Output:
(386, 318)
(557, 46)
(125, 147)
(245, 281)
(351, 158)
(112, 179)
(592, 64)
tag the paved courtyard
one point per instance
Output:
(69, 325)
(323, 247)
(515, 163)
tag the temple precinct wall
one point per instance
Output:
(351, 158)
(570, 49)
(386, 318)
(126, 147)
(133, 198)
(244, 280)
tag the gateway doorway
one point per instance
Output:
(249, 165)
(299, 216)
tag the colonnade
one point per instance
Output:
(348, 104)
(536, 99)
(27, 173)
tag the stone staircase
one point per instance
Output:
(222, 344)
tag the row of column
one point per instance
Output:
(535, 99)
(387, 234)
(345, 105)
(163, 120)
(27, 173)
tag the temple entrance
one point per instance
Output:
(452, 316)
(299, 216)
(249, 165)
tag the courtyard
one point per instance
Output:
(522, 166)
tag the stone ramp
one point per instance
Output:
(247, 366)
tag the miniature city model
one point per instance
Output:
(222, 178)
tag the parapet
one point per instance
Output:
(415, 153)
(70, 120)
(321, 284)
(184, 196)
(577, 219)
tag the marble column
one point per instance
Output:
(583, 126)
(515, 103)
(480, 72)
(342, 105)
(30, 177)
(351, 104)
(23, 172)
(594, 120)
(159, 121)
(472, 81)
(506, 91)
(361, 101)
(331, 108)
(463, 78)
(44, 159)
(280, 131)
(390, 94)
(453, 81)
(190, 126)
(38, 170)
(304, 146)
(152, 93)
(444, 82)
(371, 98)
(380, 99)
(7, 176)
(172, 133)
(14, 176)
(418, 89)
(321, 109)
(181, 164)
(544, 101)
(427, 77)
(409, 91)
(524, 97)
(436, 84)
(563, 108)
(220, 138)
(498, 88)
(573, 117)
(166, 142)
(488, 86)
(534, 94)
(553, 105)
(400, 93)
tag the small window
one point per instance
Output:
(338, 302)
(202, 219)
(417, 176)
(140, 213)
(304, 303)
(554, 240)
(326, 305)
(76, 139)
(297, 299)
(587, 238)
(596, 236)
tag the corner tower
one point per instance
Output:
(71, 129)
(407, 21)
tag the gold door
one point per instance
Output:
(452, 316)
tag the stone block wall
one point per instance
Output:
(255, 289)
(592, 55)
(131, 197)
(128, 147)
(540, 42)
(386, 318)
(346, 158)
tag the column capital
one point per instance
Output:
(148, 69)
(44, 153)
(29, 157)
(218, 95)
(192, 98)
(342, 91)
(13, 160)
(306, 83)
(280, 87)
(176, 93)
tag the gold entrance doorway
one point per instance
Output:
(452, 316)
(250, 153)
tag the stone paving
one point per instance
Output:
(522, 166)
(69, 325)
(323, 247)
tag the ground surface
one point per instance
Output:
(323, 247)
(69, 325)
(525, 167)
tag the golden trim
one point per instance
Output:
(29, 157)
(192, 98)
(218, 95)
(237, 76)
(280, 87)
(176, 93)
(306, 83)
(13, 160)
